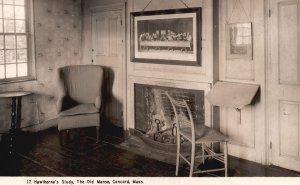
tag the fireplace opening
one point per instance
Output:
(154, 115)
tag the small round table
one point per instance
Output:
(14, 95)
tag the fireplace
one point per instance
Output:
(154, 116)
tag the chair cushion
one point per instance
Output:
(87, 108)
(78, 121)
(204, 134)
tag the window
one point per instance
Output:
(16, 44)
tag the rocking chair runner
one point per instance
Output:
(197, 135)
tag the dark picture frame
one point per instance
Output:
(167, 36)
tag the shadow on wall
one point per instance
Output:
(111, 106)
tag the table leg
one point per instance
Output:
(13, 124)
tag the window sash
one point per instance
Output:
(29, 30)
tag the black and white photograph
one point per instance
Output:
(239, 41)
(168, 35)
(159, 36)
(149, 92)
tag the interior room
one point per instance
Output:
(140, 88)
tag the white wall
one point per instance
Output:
(248, 134)
(176, 72)
(167, 74)
(57, 26)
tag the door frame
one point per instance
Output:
(268, 139)
(116, 7)
(268, 77)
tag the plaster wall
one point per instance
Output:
(57, 25)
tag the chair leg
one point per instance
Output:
(192, 159)
(177, 156)
(203, 153)
(61, 138)
(226, 158)
(97, 133)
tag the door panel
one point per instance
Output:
(284, 81)
(114, 38)
(288, 42)
(289, 128)
(240, 127)
(108, 51)
(100, 36)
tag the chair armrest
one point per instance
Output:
(59, 103)
(98, 102)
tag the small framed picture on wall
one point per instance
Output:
(239, 41)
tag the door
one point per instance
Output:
(108, 51)
(285, 83)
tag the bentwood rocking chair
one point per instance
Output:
(197, 135)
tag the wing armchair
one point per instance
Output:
(79, 102)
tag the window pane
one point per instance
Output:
(22, 69)
(22, 55)
(8, 11)
(8, 1)
(9, 26)
(0, 10)
(2, 73)
(10, 42)
(1, 42)
(21, 42)
(11, 70)
(1, 56)
(19, 2)
(10, 56)
(1, 25)
(19, 12)
(14, 57)
(20, 26)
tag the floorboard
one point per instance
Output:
(41, 154)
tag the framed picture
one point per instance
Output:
(167, 36)
(239, 41)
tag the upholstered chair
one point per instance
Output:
(79, 102)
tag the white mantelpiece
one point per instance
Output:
(177, 76)
(164, 83)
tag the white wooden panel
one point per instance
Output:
(240, 69)
(240, 11)
(113, 35)
(288, 43)
(240, 126)
(110, 34)
(289, 129)
(101, 33)
(284, 78)
(201, 73)
(139, 5)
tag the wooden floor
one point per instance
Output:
(40, 154)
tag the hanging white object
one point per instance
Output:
(233, 95)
